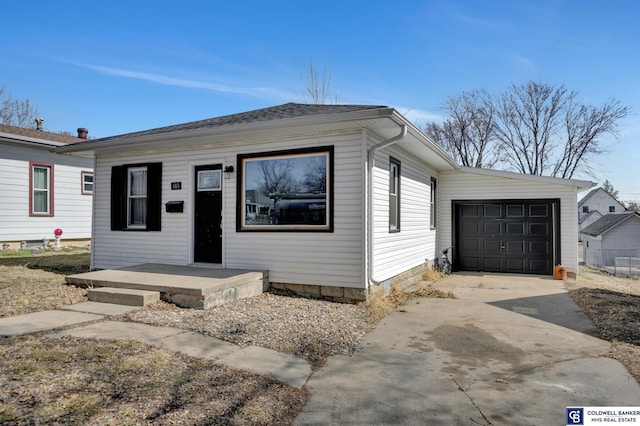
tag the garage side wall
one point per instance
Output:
(459, 185)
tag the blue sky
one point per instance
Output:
(117, 67)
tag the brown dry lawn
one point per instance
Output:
(84, 381)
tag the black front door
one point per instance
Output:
(208, 214)
(512, 236)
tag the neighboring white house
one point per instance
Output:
(41, 191)
(594, 205)
(357, 195)
(612, 243)
(613, 231)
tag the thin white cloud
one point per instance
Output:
(419, 116)
(525, 62)
(261, 92)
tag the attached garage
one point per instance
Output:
(512, 236)
(506, 222)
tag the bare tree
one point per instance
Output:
(633, 206)
(16, 112)
(468, 133)
(317, 88)
(277, 177)
(315, 175)
(584, 125)
(609, 189)
(533, 128)
(546, 130)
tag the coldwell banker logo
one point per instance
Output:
(575, 416)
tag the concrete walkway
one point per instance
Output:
(89, 320)
(511, 350)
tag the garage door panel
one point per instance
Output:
(469, 246)
(539, 210)
(506, 236)
(492, 246)
(539, 266)
(492, 228)
(514, 247)
(471, 228)
(492, 210)
(470, 263)
(493, 264)
(539, 248)
(514, 265)
(470, 210)
(537, 228)
(515, 210)
(514, 228)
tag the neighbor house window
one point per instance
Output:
(86, 182)
(585, 209)
(41, 189)
(433, 203)
(136, 197)
(612, 209)
(394, 195)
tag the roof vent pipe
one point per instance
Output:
(39, 122)
(83, 133)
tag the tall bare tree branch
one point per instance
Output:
(317, 87)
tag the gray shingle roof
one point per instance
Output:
(39, 134)
(289, 110)
(606, 222)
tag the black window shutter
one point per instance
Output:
(118, 198)
(154, 196)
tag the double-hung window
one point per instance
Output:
(136, 197)
(394, 195)
(41, 189)
(86, 182)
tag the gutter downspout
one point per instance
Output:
(371, 153)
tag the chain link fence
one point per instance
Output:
(620, 262)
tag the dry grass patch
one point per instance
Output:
(24, 290)
(76, 381)
(383, 303)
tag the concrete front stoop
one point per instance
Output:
(185, 286)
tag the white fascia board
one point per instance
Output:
(32, 142)
(532, 178)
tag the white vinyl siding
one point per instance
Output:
(397, 252)
(624, 236)
(319, 258)
(469, 186)
(72, 211)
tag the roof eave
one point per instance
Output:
(27, 140)
(243, 128)
(533, 178)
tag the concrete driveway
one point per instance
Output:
(510, 350)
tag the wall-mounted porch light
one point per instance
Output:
(228, 170)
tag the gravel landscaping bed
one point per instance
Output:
(312, 329)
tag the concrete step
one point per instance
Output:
(123, 296)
